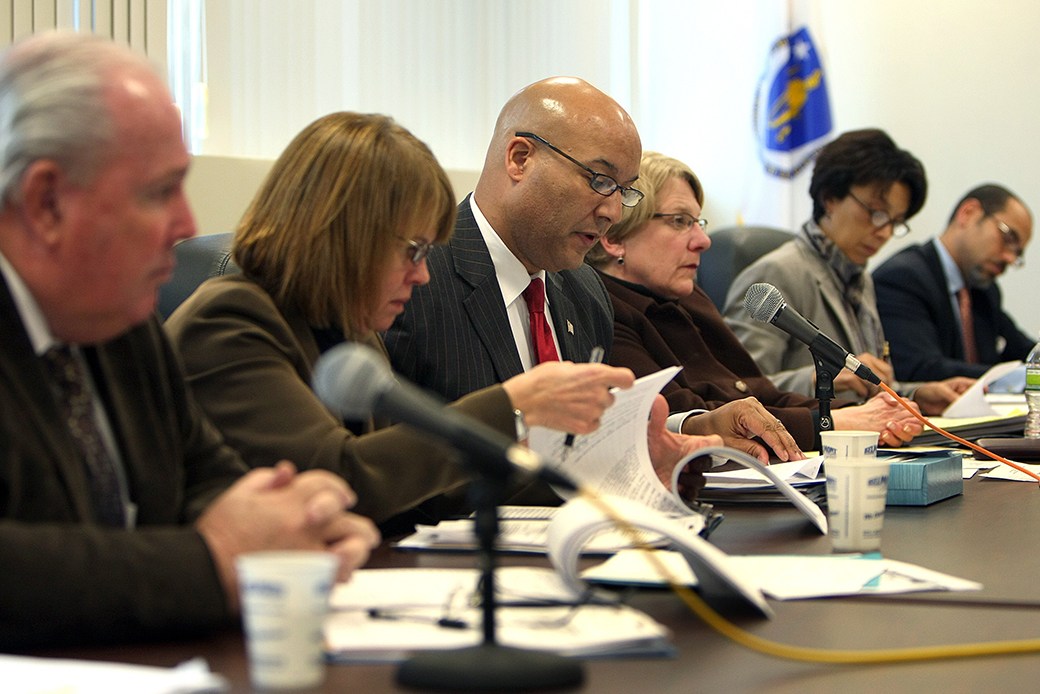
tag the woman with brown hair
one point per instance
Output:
(330, 249)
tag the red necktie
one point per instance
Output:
(971, 352)
(541, 335)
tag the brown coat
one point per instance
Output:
(250, 366)
(651, 333)
(65, 580)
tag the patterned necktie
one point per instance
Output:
(77, 407)
(541, 335)
(971, 352)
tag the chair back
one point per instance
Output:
(733, 249)
(198, 259)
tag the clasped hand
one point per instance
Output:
(278, 508)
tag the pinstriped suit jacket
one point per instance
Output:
(454, 335)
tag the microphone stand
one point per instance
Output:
(489, 666)
(825, 373)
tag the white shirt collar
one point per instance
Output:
(512, 275)
(32, 317)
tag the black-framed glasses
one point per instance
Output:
(601, 183)
(880, 218)
(1012, 241)
(417, 249)
(681, 221)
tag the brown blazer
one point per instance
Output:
(65, 580)
(651, 332)
(250, 366)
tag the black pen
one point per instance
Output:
(596, 357)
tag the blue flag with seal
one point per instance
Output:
(792, 114)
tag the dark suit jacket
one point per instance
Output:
(454, 335)
(651, 333)
(922, 331)
(250, 366)
(63, 579)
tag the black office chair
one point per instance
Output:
(732, 250)
(198, 259)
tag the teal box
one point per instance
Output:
(922, 479)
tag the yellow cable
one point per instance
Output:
(806, 654)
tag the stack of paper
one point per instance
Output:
(386, 614)
(525, 529)
(749, 486)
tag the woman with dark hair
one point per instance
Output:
(330, 250)
(864, 189)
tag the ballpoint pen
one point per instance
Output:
(595, 357)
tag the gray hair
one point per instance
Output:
(53, 105)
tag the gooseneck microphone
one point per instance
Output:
(765, 303)
(357, 382)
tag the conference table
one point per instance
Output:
(988, 534)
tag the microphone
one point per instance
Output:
(765, 303)
(357, 382)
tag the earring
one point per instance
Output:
(621, 260)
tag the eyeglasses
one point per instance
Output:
(680, 221)
(417, 249)
(1012, 241)
(880, 218)
(601, 183)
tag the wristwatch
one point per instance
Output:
(521, 426)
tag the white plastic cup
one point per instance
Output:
(857, 488)
(848, 444)
(285, 597)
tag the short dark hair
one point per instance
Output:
(991, 196)
(864, 157)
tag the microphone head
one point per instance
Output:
(350, 378)
(762, 301)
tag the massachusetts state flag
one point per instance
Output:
(792, 112)
(791, 122)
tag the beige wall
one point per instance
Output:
(220, 189)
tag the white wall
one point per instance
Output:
(953, 81)
(956, 82)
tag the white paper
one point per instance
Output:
(972, 402)
(580, 520)
(797, 472)
(969, 466)
(410, 602)
(615, 458)
(783, 577)
(801, 502)
(529, 535)
(23, 675)
(417, 587)
(1006, 472)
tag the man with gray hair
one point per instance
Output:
(939, 301)
(121, 510)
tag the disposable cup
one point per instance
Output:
(857, 488)
(848, 444)
(284, 597)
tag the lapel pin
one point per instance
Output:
(570, 328)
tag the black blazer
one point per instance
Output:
(65, 580)
(920, 325)
(454, 335)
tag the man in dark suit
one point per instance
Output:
(563, 160)
(939, 301)
(121, 510)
